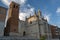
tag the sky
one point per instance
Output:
(50, 9)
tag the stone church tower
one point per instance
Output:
(12, 22)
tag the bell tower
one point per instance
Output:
(13, 17)
(14, 10)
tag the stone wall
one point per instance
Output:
(33, 30)
(1, 28)
(17, 38)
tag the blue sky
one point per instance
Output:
(50, 9)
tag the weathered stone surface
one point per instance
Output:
(17, 38)
(2, 19)
(13, 17)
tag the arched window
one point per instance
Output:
(16, 6)
(24, 33)
(30, 22)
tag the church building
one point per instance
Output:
(33, 27)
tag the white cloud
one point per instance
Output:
(22, 16)
(7, 2)
(22, 1)
(58, 10)
(25, 9)
(26, 12)
(47, 17)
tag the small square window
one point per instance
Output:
(16, 6)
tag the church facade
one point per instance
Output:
(33, 27)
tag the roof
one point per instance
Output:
(3, 7)
(32, 16)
